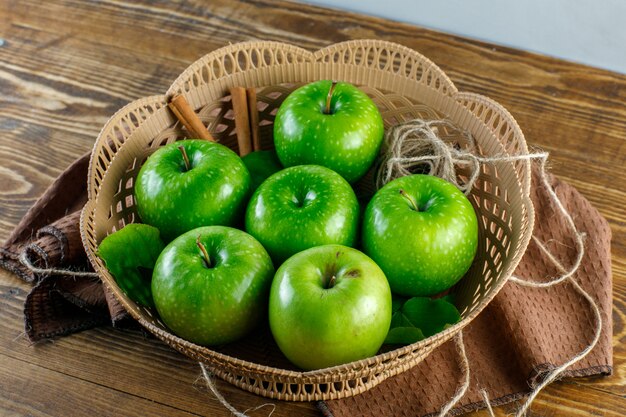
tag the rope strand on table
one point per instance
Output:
(483, 392)
(209, 382)
(460, 392)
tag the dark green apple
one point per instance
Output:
(329, 305)
(261, 165)
(189, 184)
(210, 285)
(301, 207)
(130, 254)
(423, 232)
(334, 125)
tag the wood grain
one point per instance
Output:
(66, 66)
(118, 361)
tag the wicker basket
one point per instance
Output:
(404, 85)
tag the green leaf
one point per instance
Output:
(130, 255)
(398, 319)
(397, 302)
(430, 315)
(261, 165)
(404, 335)
(420, 317)
(450, 298)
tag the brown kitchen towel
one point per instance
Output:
(522, 334)
(50, 234)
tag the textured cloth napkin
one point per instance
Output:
(521, 335)
(50, 234)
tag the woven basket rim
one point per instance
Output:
(176, 86)
(161, 100)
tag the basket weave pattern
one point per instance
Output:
(404, 85)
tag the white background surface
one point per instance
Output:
(592, 32)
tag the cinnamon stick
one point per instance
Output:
(183, 112)
(242, 119)
(253, 112)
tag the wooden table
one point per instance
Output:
(66, 66)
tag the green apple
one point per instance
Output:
(423, 232)
(210, 285)
(189, 184)
(130, 254)
(329, 305)
(301, 207)
(261, 165)
(334, 125)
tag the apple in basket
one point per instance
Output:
(423, 233)
(301, 207)
(211, 284)
(189, 184)
(329, 305)
(335, 125)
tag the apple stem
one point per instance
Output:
(329, 97)
(185, 158)
(409, 199)
(332, 281)
(205, 254)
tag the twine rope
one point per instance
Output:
(465, 371)
(483, 392)
(25, 260)
(208, 377)
(416, 143)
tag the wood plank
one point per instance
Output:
(128, 362)
(31, 390)
(566, 396)
(564, 399)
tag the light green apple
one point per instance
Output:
(329, 305)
